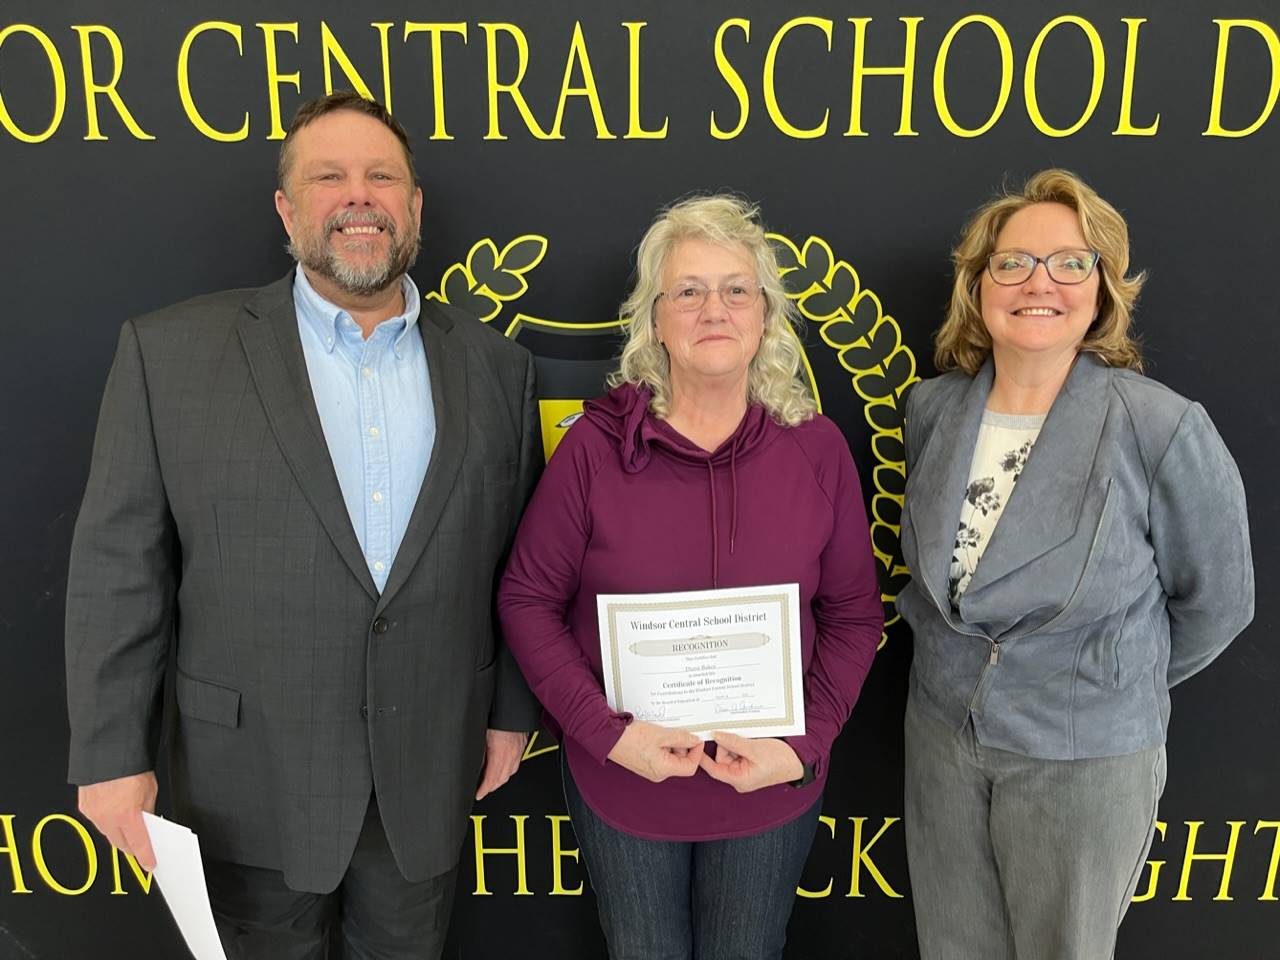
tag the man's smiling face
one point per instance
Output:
(350, 206)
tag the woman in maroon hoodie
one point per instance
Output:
(704, 467)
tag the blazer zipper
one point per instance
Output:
(995, 644)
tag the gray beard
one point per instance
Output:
(358, 281)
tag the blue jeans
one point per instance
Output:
(702, 900)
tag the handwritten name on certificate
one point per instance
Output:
(706, 660)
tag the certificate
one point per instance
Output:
(706, 660)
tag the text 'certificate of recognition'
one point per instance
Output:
(706, 660)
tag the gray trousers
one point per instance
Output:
(1021, 858)
(375, 914)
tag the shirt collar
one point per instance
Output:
(328, 320)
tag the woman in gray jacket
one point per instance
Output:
(1079, 544)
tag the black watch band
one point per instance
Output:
(810, 774)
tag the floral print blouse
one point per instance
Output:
(1004, 444)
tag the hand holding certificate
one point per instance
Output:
(706, 660)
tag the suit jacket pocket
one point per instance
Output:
(202, 700)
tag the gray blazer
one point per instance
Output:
(213, 533)
(1119, 567)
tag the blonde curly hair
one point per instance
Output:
(773, 378)
(962, 340)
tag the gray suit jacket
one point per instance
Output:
(1119, 567)
(213, 531)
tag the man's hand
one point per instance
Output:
(656, 753)
(748, 765)
(502, 752)
(115, 808)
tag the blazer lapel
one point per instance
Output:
(938, 483)
(269, 333)
(447, 364)
(1045, 506)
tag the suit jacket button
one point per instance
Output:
(381, 625)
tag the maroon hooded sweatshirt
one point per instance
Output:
(628, 505)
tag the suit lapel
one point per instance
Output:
(447, 364)
(269, 333)
(939, 480)
(1045, 505)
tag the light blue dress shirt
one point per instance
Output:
(374, 401)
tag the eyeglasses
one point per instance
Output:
(1011, 267)
(736, 294)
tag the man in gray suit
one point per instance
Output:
(299, 500)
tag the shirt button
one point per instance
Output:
(367, 371)
(373, 431)
(377, 496)
(379, 565)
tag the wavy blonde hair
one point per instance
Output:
(773, 378)
(962, 340)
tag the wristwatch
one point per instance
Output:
(810, 774)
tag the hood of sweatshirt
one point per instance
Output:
(623, 414)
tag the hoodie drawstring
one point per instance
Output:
(733, 484)
(715, 541)
(733, 519)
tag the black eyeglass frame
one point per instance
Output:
(1036, 261)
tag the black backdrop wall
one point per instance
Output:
(137, 145)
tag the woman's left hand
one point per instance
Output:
(748, 765)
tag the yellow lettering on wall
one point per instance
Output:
(830, 823)
(770, 92)
(940, 76)
(861, 859)
(1095, 90)
(512, 90)
(635, 131)
(184, 81)
(1191, 857)
(142, 876)
(59, 96)
(42, 868)
(93, 89)
(559, 853)
(578, 56)
(518, 851)
(732, 78)
(1156, 866)
(436, 30)
(1269, 890)
(275, 79)
(1125, 128)
(11, 844)
(1216, 129)
(332, 50)
(860, 70)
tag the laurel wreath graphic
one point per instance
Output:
(868, 342)
(828, 292)
(491, 277)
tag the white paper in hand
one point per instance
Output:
(180, 873)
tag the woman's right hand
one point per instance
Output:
(656, 752)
